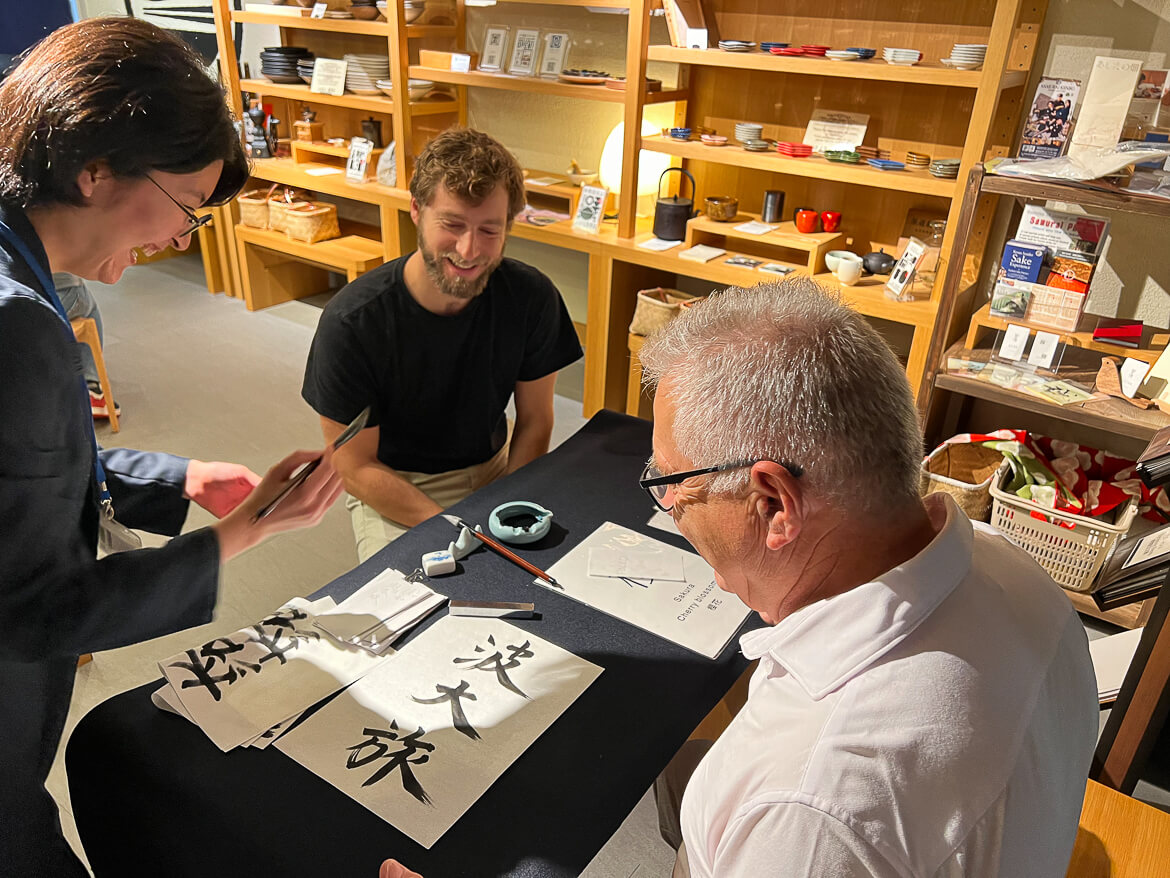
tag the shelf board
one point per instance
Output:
(287, 172)
(920, 182)
(1110, 415)
(365, 103)
(377, 28)
(875, 69)
(559, 234)
(1157, 340)
(866, 296)
(600, 4)
(538, 85)
(1089, 196)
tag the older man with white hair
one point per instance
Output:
(924, 702)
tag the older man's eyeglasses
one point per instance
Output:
(194, 222)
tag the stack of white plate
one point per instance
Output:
(362, 73)
(736, 45)
(842, 55)
(745, 131)
(966, 56)
(902, 57)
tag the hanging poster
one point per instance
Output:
(1049, 118)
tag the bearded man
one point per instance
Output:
(437, 342)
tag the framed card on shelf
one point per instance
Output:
(590, 209)
(495, 44)
(556, 50)
(525, 49)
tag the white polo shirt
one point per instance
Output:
(939, 721)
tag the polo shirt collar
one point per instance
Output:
(826, 644)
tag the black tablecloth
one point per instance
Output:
(152, 795)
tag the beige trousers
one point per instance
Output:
(372, 532)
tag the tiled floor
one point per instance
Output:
(200, 376)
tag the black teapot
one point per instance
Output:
(880, 262)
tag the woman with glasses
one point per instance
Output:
(111, 135)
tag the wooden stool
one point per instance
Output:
(1119, 837)
(85, 331)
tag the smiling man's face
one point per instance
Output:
(461, 244)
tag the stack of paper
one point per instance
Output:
(1111, 659)
(701, 253)
(380, 611)
(243, 689)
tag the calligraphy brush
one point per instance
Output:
(503, 551)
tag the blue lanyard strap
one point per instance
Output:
(50, 290)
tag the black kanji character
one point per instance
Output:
(399, 759)
(454, 694)
(496, 662)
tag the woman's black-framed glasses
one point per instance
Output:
(194, 222)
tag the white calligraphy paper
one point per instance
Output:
(240, 686)
(1105, 103)
(645, 561)
(419, 741)
(695, 614)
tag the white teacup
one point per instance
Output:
(849, 270)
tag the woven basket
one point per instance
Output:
(964, 471)
(254, 208)
(311, 222)
(654, 309)
(278, 209)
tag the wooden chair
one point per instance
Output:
(85, 331)
(1119, 837)
(1139, 712)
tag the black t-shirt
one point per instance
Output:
(437, 385)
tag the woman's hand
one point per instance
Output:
(218, 487)
(303, 507)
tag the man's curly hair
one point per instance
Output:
(469, 164)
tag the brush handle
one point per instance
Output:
(500, 549)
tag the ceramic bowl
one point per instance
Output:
(411, 11)
(722, 208)
(582, 178)
(835, 257)
(363, 12)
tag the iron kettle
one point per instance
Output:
(671, 214)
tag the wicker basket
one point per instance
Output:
(965, 471)
(654, 309)
(311, 222)
(278, 208)
(254, 208)
(1070, 547)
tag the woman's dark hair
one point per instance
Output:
(118, 90)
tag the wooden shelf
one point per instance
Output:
(1111, 415)
(290, 173)
(1130, 616)
(600, 4)
(538, 85)
(1088, 196)
(874, 70)
(377, 28)
(984, 319)
(920, 182)
(365, 103)
(866, 296)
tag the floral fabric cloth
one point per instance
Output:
(1072, 478)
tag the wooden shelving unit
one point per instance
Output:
(964, 318)
(928, 108)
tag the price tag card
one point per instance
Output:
(524, 52)
(1015, 339)
(1043, 350)
(460, 62)
(328, 77)
(552, 61)
(359, 159)
(318, 10)
(590, 208)
(1132, 373)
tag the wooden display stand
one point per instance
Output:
(963, 114)
(777, 246)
